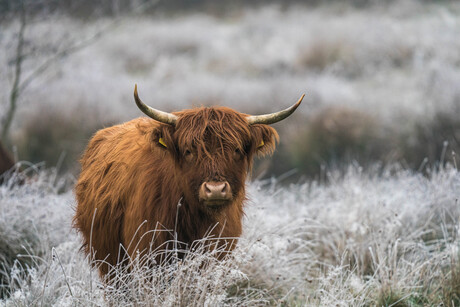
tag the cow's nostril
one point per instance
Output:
(215, 191)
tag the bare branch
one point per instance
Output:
(14, 93)
(19, 84)
(78, 46)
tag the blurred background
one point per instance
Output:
(382, 78)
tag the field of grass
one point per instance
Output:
(383, 237)
(373, 219)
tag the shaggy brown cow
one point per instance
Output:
(134, 175)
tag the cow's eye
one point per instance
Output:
(237, 154)
(188, 155)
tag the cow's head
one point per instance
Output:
(213, 148)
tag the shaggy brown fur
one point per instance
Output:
(131, 184)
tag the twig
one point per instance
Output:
(44, 284)
(179, 204)
(91, 256)
(54, 253)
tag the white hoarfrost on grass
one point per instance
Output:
(381, 237)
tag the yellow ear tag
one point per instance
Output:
(162, 142)
(261, 144)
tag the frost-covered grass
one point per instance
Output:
(383, 237)
(380, 237)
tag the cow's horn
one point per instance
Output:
(158, 115)
(274, 117)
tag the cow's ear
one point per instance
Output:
(264, 139)
(162, 137)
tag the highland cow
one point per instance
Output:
(135, 174)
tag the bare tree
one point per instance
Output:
(28, 12)
(19, 57)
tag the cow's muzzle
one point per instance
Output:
(215, 194)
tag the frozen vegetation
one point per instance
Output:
(383, 235)
(387, 237)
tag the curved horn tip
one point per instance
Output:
(298, 101)
(295, 105)
(274, 117)
(301, 98)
